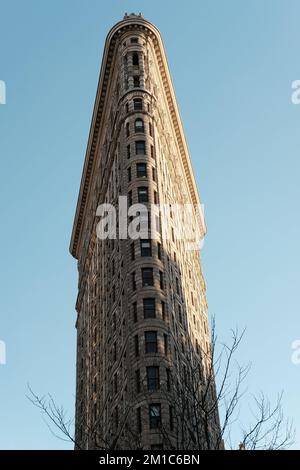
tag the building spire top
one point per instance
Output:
(132, 15)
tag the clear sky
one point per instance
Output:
(232, 65)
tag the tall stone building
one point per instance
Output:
(143, 347)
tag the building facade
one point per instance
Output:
(143, 345)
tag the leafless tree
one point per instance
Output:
(204, 395)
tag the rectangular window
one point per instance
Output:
(150, 129)
(152, 151)
(158, 250)
(132, 251)
(147, 277)
(129, 174)
(128, 151)
(134, 312)
(138, 104)
(149, 308)
(161, 280)
(154, 415)
(133, 281)
(140, 147)
(168, 372)
(146, 249)
(163, 310)
(166, 344)
(138, 380)
(136, 346)
(136, 81)
(141, 170)
(179, 314)
(151, 341)
(139, 419)
(152, 378)
(143, 194)
(153, 174)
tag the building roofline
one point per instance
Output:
(129, 22)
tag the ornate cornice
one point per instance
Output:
(131, 22)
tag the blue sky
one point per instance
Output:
(232, 65)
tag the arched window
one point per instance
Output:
(127, 130)
(135, 59)
(139, 125)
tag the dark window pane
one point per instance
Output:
(140, 147)
(141, 170)
(154, 415)
(139, 419)
(134, 308)
(161, 280)
(147, 277)
(139, 125)
(151, 341)
(133, 281)
(153, 378)
(136, 81)
(146, 249)
(135, 59)
(138, 380)
(149, 308)
(138, 104)
(136, 345)
(143, 194)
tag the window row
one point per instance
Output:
(140, 149)
(139, 127)
(135, 59)
(138, 106)
(145, 249)
(147, 278)
(141, 171)
(151, 343)
(155, 419)
(149, 309)
(152, 379)
(143, 195)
